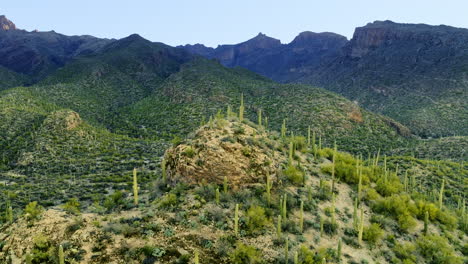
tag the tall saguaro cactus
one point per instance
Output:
(241, 109)
(301, 217)
(441, 194)
(61, 255)
(135, 187)
(361, 227)
(268, 188)
(278, 226)
(236, 220)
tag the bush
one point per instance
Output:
(436, 250)
(389, 187)
(244, 254)
(167, 201)
(405, 251)
(373, 234)
(293, 174)
(72, 206)
(256, 219)
(33, 211)
(400, 207)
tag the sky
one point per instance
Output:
(213, 22)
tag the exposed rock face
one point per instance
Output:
(230, 149)
(267, 56)
(6, 24)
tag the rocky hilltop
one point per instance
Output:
(6, 24)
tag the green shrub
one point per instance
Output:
(389, 187)
(167, 201)
(294, 175)
(400, 207)
(244, 254)
(373, 234)
(189, 152)
(33, 211)
(406, 251)
(256, 219)
(437, 250)
(72, 206)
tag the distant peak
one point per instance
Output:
(135, 37)
(263, 41)
(6, 24)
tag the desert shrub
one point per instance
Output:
(114, 200)
(447, 218)
(406, 222)
(294, 175)
(72, 206)
(33, 211)
(256, 219)
(189, 152)
(245, 254)
(406, 251)
(437, 250)
(390, 186)
(306, 256)
(299, 142)
(400, 207)
(424, 206)
(373, 234)
(370, 194)
(167, 201)
(75, 225)
(329, 227)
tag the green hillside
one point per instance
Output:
(49, 153)
(203, 87)
(304, 204)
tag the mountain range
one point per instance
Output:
(414, 73)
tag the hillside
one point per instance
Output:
(413, 73)
(50, 154)
(202, 87)
(312, 205)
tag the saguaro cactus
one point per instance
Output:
(241, 109)
(283, 129)
(135, 187)
(284, 208)
(236, 220)
(278, 227)
(286, 251)
(355, 218)
(301, 217)
(195, 258)
(361, 227)
(426, 222)
(268, 188)
(259, 117)
(441, 194)
(333, 167)
(163, 170)
(291, 150)
(61, 256)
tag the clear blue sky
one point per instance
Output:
(214, 22)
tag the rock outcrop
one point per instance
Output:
(239, 152)
(6, 24)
